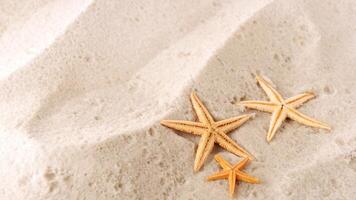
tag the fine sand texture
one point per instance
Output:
(84, 84)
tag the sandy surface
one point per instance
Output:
(83, 85)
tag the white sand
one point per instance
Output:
(84, 84)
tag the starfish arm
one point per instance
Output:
(218, 175)
(227, 143)
(201, 111)
(185, 126)
(269, 90)
(264, 106)
(205, 147)
(241, 164)
(223, 163)
(298, 100)
(232, 182)
(228, 125)
(278, 116)
(246, 178)
(303, 119)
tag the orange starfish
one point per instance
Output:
(232, 173)
(282, 108)
(211, 132)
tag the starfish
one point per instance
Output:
(211, 132)
(232, 173)
(281, 109)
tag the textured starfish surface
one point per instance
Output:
(211, 132)
(281, 109)
(232, 173)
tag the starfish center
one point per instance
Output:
(212, 130)
(283, 104)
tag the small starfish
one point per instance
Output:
(281, 109)
(232, 173)
(211, 132)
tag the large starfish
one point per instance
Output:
(281, 109)
(232, 173)
(211, 132)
